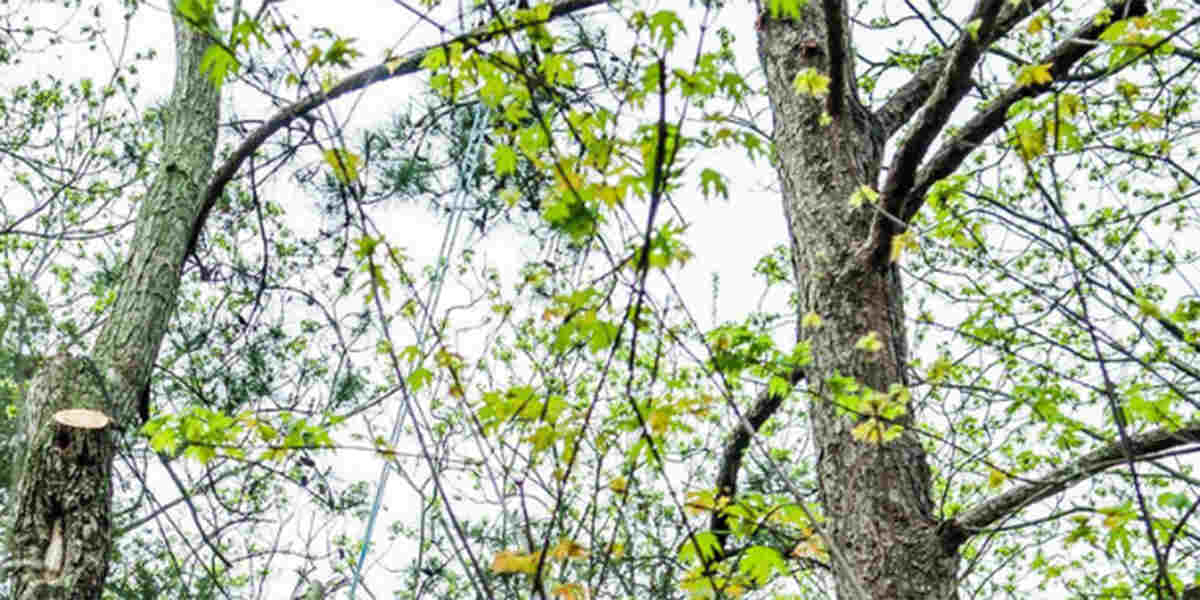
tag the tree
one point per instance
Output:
(621, 464)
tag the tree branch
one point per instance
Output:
(1141, 447)
(906, 101)
(735, 448)
(405, 64)
(953, 85)
(904, 193)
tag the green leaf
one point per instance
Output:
(665, 25)
(218, 63)
(1174, 500)
(164, 441)
(198, 13)
(419, 378)
(973, 29)
(435, 58)
(778, 386)
(712, 181)
(760, 562)
(788, 8)
(702, 546)
(506, 160)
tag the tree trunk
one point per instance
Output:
(875, 496)
(61, 536)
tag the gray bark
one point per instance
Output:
(875, 496)
(61, 535)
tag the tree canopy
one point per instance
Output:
(453, 346)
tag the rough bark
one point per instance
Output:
(875, 495)
(62, 529)
(61, 535)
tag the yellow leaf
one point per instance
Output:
(1146, 120)
(658, 421)
(865, 194)
(996, 479)
(512, 562)
(1030, 139)
(344, 164)
(1069, 105)
(869, 343)
(1114, 520)
(570, 591)
(505, 562)
(810, 547)
(1035, 75)
(809, 82)
(902, 242)
(811, 321)
(618, 485)
(1036, 24)
(873, 403)
(870, 431)
(568, 549)
(698, 502)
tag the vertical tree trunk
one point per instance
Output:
(875, 496)
(61, 536)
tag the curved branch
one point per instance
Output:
(1141, 447)
(904, 202)
(735, 449)
(951, 87)
(405, 64)
(906, 101)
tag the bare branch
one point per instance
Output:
(1141, 447)
(903, 201)
(904, 102)
(735, 448)
(405, 64)
(953, 85)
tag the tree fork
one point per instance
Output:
(875, 496)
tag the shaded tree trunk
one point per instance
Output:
(875, 496)
(61, 536)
